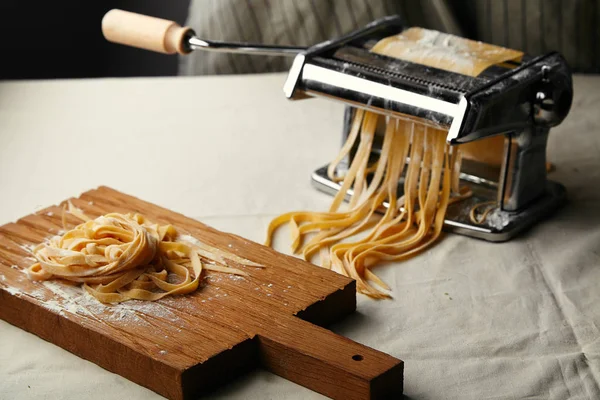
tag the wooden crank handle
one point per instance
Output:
(145, 32)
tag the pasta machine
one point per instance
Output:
(518, 100)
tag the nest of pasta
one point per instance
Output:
(118, 257)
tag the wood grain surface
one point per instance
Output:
(184, 346)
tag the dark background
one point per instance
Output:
(45, 39)
(63, 39)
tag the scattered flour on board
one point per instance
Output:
(12, 290)
(191, 240)
(27, 247)
(70, 299)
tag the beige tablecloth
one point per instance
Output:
(471, 319)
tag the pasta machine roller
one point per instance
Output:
(519, 100)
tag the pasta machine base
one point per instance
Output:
(183, 346)
(500, 225)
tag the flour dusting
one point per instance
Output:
(498, 219)
(67, 299)
(12, 290)
(27, 247)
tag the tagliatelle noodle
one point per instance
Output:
(118, 257)
(353, 241)
(480, 219)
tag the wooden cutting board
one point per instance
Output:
(183, 346)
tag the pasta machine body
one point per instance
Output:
(520, 101)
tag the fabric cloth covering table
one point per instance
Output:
(471, 319)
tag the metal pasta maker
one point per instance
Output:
(521, 101)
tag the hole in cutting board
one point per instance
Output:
(357, 357)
